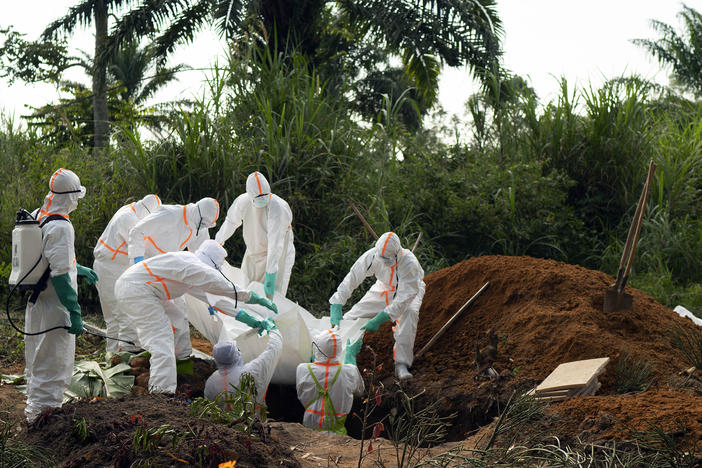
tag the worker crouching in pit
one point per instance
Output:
(326, 387)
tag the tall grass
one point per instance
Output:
(557, 180)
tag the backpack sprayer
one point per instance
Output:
(30, 270)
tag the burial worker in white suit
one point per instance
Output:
(111, 260)
(54, 305)
(146, 291)
(173, 228)
(268, 235)
(396, 296)
(231, 366)
(326, 386)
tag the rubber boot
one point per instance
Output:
(401, 372)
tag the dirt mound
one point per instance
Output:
(153, 429)
(544, 313)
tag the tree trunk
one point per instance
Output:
(100, 113)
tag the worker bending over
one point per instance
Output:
(173, 228)
(146, 291)
(396, 296)
(111, 260)
(267, 231)
(326, 387)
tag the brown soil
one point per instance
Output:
(544, 313)
(112, 425)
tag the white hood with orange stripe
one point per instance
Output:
(112, 244)
(173, 228)
(327, 349)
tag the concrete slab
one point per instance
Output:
(576, 374)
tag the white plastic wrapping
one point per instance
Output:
(296, 324)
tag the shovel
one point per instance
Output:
(615, 297)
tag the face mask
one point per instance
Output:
(261, 201)
(72, 201)
(387, 261)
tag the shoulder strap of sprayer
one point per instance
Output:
(41, 285)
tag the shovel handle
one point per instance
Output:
(634, 229)
(363, 220)
(651, 170)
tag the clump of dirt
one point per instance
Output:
(153, 428)
(544, 313)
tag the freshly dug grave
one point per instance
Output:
(544, 313)
(111, 433)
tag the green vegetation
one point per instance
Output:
(14, 451)
(556, 179)
(631, 373)
(237, 408)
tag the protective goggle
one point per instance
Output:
(80, 191)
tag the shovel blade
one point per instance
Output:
(615, 301)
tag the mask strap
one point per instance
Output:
(318, 349)
(68, 191)
(199, 224)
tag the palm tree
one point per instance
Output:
(133, 76)
(139, 73)
(683, 52)
(85, 13)
(339, 35)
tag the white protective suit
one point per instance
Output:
(49, 356)
(173, 228)
(399, 291)
(230, 366)
(267, 232)
(170, 229)
(111, 260)
(326, 386)
(146, 290)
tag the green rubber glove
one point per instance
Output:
(266, 325)
(88, 273)
(335, 314)
(69, 298)
(248, 319)
(352, 350)
(375, 323)
(269, 284)
(265, 302)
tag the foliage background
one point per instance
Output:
(557, 180)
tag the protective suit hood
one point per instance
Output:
(226, 355)
(256, 184)
(388, 245)
(211, 253)
(64, 192)
(208, 212)
(147, 205)
(327, 346)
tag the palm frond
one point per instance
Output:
(81, 14)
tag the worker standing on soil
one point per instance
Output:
(146, 290)
(170, 229)
(49, 356)
(396, 296)
(267, 231)
(325, 387)
(230, 366)
(111, 260)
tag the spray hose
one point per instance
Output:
(58, 327)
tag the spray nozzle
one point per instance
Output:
(23, 216)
